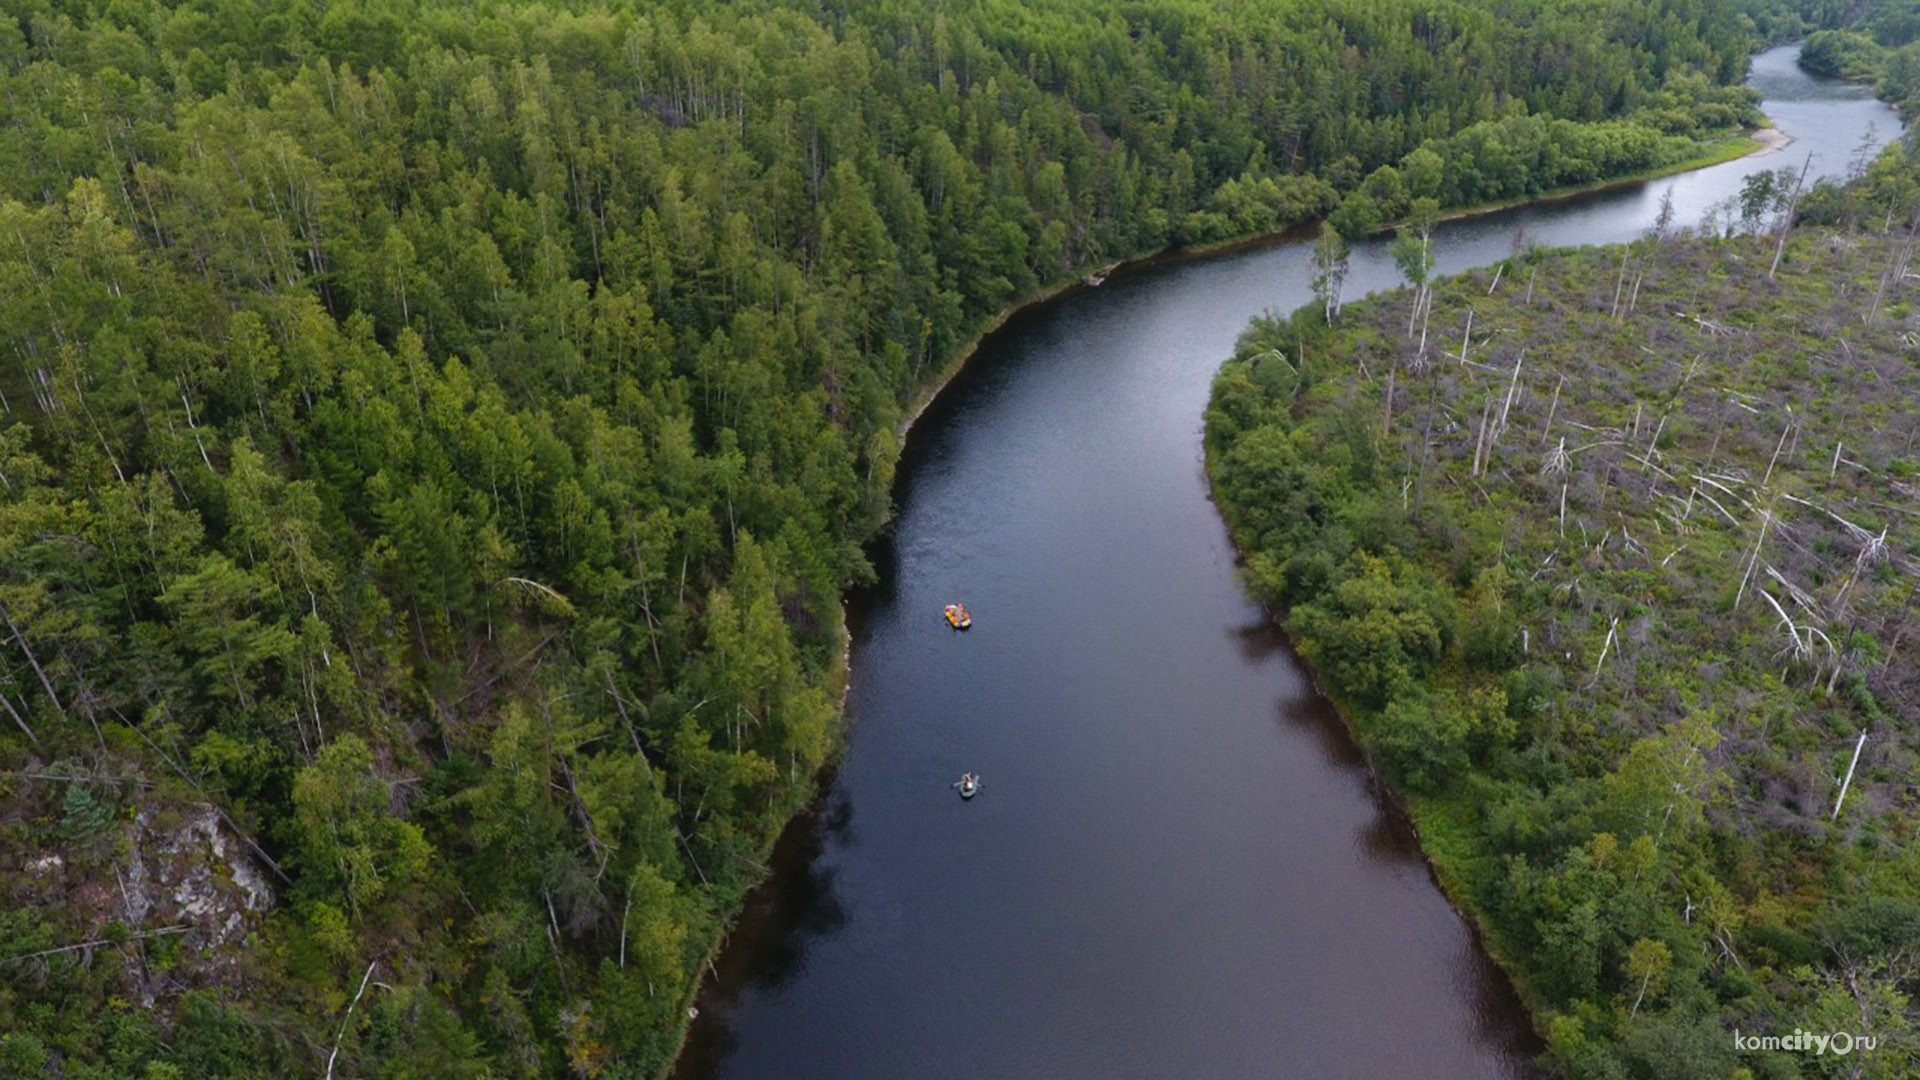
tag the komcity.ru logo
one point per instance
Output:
(1840, 1042)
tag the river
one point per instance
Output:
(1176, 865)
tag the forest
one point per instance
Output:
(435, 437)
(1881, 48)
(1611, 557)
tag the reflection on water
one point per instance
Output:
(798, 906)
(1311, 717)
(1258, 639)
(1177, 864)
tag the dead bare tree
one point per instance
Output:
(1547, 428)
(19, 720)
(1753, 557)
(1480, 440)
(33, 661)
(1619, 284)
(1613, 629)
(364, 979)
(1848, 782)
(1894, 275)
(1513, 385)
(1786, 218)
(1556, 461)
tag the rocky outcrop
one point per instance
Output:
(196, 874)
(173, 871)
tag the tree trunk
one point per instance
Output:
(32, 660)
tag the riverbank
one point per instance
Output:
(1415, 816)
(1755, 143)
(1519, 766)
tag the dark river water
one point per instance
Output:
(1176, 866)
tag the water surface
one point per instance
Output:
(1176, 866)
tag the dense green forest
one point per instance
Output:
(1777, 22)
(435, 437)
(1881, 47)
(1611, 558)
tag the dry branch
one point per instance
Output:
(82, 946)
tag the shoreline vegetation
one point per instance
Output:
(445, 492)
(1878, 48)
(1651, 863)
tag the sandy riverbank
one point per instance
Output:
(1772, 140)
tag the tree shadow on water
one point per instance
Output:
(1309, 713)
(781, 920)
(1259, 639)
(796, 906)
